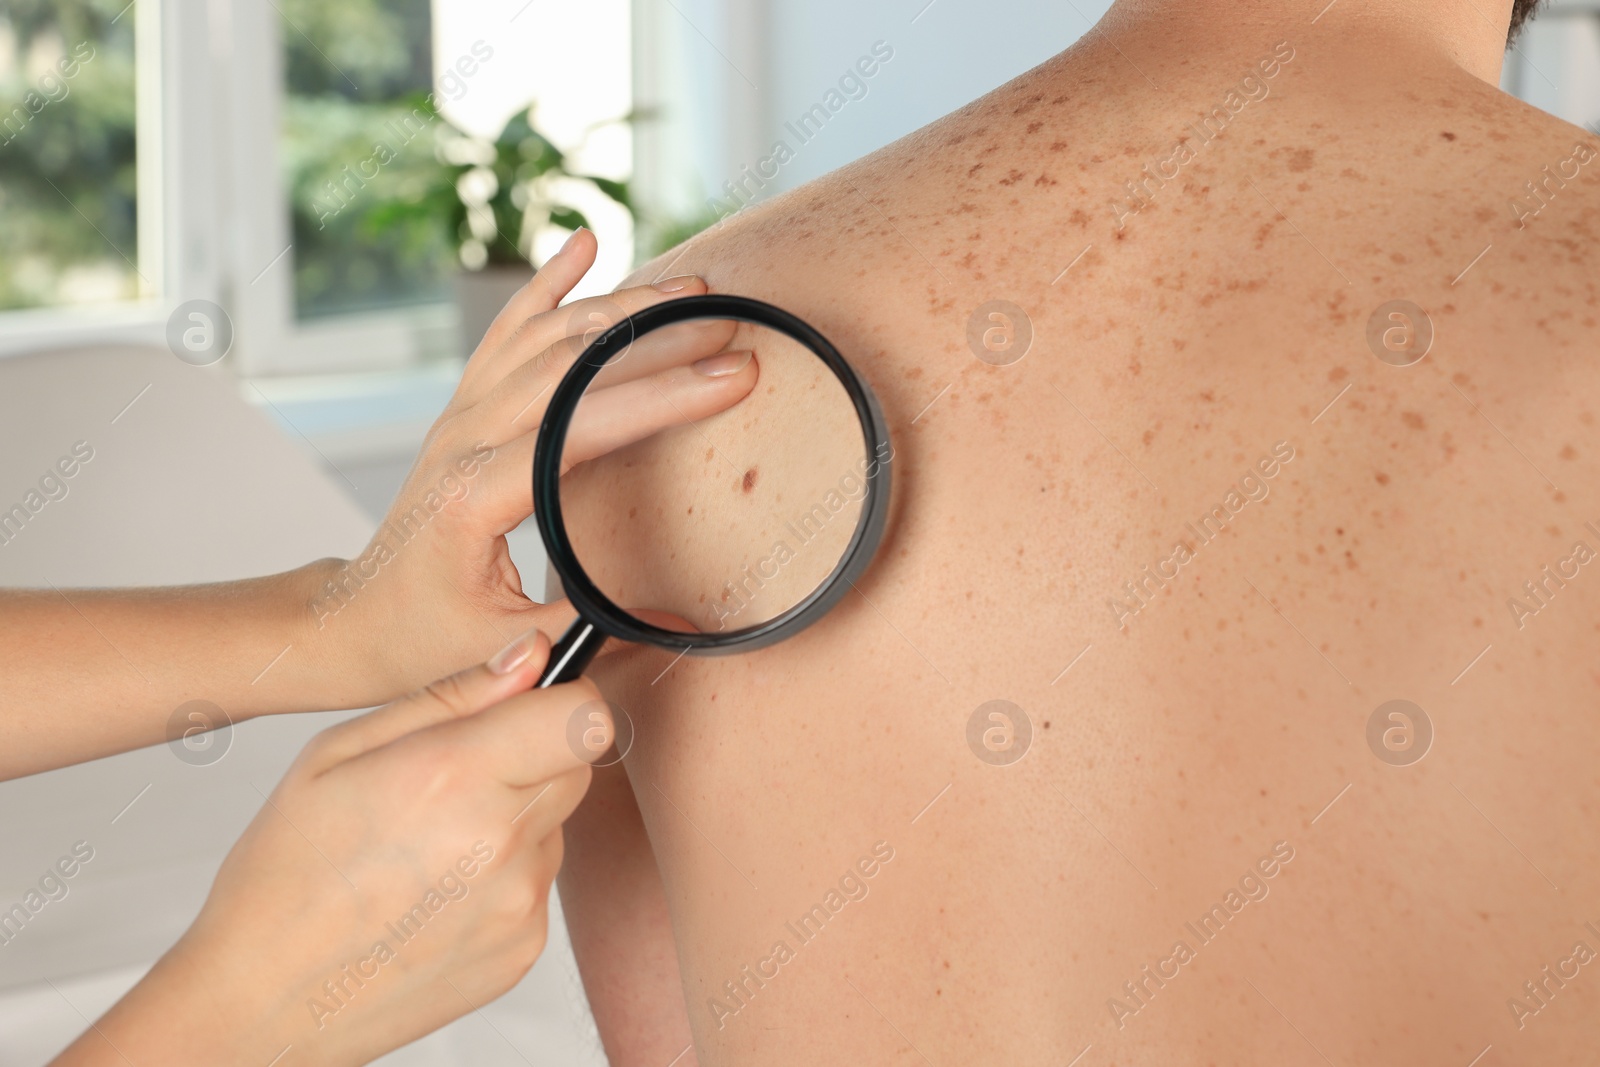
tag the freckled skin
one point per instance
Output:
(1229, 314)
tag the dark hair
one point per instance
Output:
(1521, 12)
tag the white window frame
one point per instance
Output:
(209, 107)
(170, 110)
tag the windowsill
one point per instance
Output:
(36, 330)
(392, 341)
(396, 340)
(358, 417)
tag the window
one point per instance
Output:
(357, 141)
(69, 188)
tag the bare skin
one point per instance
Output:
(325, 932)
(87, 673)
(1217, 726)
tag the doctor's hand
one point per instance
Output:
(395, 879)
(434, 591)
(436, 588)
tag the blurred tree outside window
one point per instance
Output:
(68, 175)
(357, 138)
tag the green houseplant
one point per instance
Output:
(494, 197)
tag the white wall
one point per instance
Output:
(729, 73)
(1556, 64)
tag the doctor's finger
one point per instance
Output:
(573, 327)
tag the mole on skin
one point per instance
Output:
(750, 479)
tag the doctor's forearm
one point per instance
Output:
(86, 673)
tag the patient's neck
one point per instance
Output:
(1471, 34)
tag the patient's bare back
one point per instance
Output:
(1224, 689)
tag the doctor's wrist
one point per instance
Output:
(335, 654)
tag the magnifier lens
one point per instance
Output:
(725, 517)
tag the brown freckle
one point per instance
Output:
(1149, 435)
(914, 373)
(1013, 177)
(1560, 497)
(1300, 159)
(1413, 419)
(1568, 452)
(750, 479)
(1058, 146)
(974, 169)
(1079, 218)
(710, 452)
(1383, 479)
(1047, 724)
(1209, 397)
(1447, 135)
(1338, 374)
(1460, 378)
(1035, 127)
(691, 510)
(632, 512)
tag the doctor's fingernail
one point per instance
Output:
(675, 285)
(568, 242)
(515, 654)
(720, 366)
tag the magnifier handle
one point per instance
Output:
(572, 653)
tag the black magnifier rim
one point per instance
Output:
(592, 604)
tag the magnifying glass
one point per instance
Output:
(781, 500)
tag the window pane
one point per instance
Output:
(358, 154)
(68, 206)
